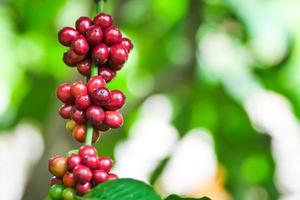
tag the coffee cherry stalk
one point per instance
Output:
(97, 48)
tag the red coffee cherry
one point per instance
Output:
(113, 119)
(105, 163)
(73, 161)
(95, 114)
(78, 115)
(82, 24)
(82, 174)
(57, 166)
(100, 176)
(82, 102)
(80, 45)
(100, 53)
(63, 93)
(84, 67)
(87, 150)
(54, 180)
(94, 83)
(91, 162)
(74, 57)
(83, 188)
(118, 56)
(103, 127)
(127, 44)
(66, 35)
(117, 100)
(112, 176)
(94, 35)
(69, 179)
(78, 88)
(104, 20)
(112, 35)
(106, 73)
(101, 96)
(67, 60)
(65, 111)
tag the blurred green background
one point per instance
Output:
(229, 68)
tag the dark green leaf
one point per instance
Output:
(175, 197)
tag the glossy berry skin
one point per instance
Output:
(80, 45)
(82, 102)
(112, 35)
(100, 53)
(82, 174)
(66, 35)
(113, 119)
(83, 188)
(67, 60)
(78, 115)
(103, 127)
(94, 83)
(127, 44)
(68, 194)
(94, 35)
(78, 88)
(112, 176)
(84, 67)
(54, 180)
(83, 24)
(63, 93)
(95, 114)
(65, 111)
(79, 132)
(105, 163)
(57, 166)
(100, 176)
(101, 96)
(106, 73)
(118, 55)
(117, 100)
(73, 161)
(56, 191)
(74, 57)
(69, 179)
(87, 150)
(104, 20)
(91, 162)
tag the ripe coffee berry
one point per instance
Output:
(65, 111)
(95, 83)
(113, 119)
(82, 24)
(83, 188)
(63, 93)
(104, 20)
(57, 166)
(91, 162)
(117, 100)
(112, 176)
(78, 89)
(69, 179)
(87, 150)
(127, 44)
(74, 57)
(106, 73)
(54, 180)
(66, 35)
(78, 115)
(100, 176)
(73, 161)
(80, 45)
(118, 56)
(67, 60)
(105, 163)
(84, 67)
(94, 35)
(95, 114)
(101, 96)
(100, 53)
(82, 102)
(112, 35)
(102, 127)
(82, 174)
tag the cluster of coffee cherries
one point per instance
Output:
(78, 173)
(97, 41)
(92, 102)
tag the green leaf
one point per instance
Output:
(125, 189)
(175, 197)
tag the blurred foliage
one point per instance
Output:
(164, 61)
